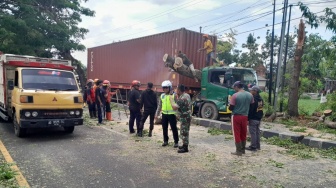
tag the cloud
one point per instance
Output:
(117, 20)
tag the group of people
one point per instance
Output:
(247, 109)
(171, 105)
(98, 98)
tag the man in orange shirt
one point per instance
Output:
(208, 48)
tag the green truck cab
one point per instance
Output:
(216, 90)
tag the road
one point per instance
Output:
(102, 157)
(108, 156)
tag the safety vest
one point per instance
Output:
(166, 105)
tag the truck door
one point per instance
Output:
(217, 88)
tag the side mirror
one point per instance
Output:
(10, 84)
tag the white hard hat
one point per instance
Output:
(166, 83)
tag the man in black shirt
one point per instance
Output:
(255, 115)
(100, 100)
(149, 103)
(134, 107)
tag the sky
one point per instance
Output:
(120, 20)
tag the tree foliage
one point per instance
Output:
(43, 28)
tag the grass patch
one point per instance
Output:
(298, 129)
(7, 175)
(309, 105)
(211, 157)
(276, 164)
(300, 150)
(216, 131)
(322, 128)
(289, 122)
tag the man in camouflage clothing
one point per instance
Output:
(183, 106)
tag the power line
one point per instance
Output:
(151, 17)
(237, 19)
(188, 18)
(175, 21)
(275, 24)
(246, 17)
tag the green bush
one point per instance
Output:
(330, 104)
(268, 109)
(305, 97)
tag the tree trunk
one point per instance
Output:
(182, 70)
(79, 70)
(294, 85)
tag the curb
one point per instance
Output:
(266, 133)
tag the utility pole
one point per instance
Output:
(283, 28)
(201, 29)
(270, 79)
(285, 60)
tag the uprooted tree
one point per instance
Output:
(178, 66)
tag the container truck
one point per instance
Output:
(141, 59)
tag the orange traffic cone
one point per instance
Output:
(109, 116)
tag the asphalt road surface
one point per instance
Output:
(101, 157)
(108, 156)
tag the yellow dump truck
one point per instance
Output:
(38, 93)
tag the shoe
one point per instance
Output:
(238, 151)
(131, 132)
(165, 144)
(243, 145)
(139, 134)
(250, 148)
(184, 149)
(176, 145)
(150, 133)
(180, 147)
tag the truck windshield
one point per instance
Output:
(244, 75)
(48, 80)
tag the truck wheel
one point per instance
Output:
(69, 129)
(19, 132)
(209, 111)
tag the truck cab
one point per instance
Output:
(38, 93)
(216, 90)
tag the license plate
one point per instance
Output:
(56, 122)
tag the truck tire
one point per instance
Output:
(19, 132)
(209, 111)
(69, 129)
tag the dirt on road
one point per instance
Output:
(210, 164)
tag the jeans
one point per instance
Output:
(209, 56)
(100, 109)
(254, 129)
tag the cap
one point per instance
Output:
(254, 88)
(238, 84)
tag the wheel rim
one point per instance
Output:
(208, 111)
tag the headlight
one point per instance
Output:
(77, 113)
(34, 114)
(72, 112)
(27, 114)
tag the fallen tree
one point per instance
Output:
(178, 66)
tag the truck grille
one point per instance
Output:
(51, 114)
